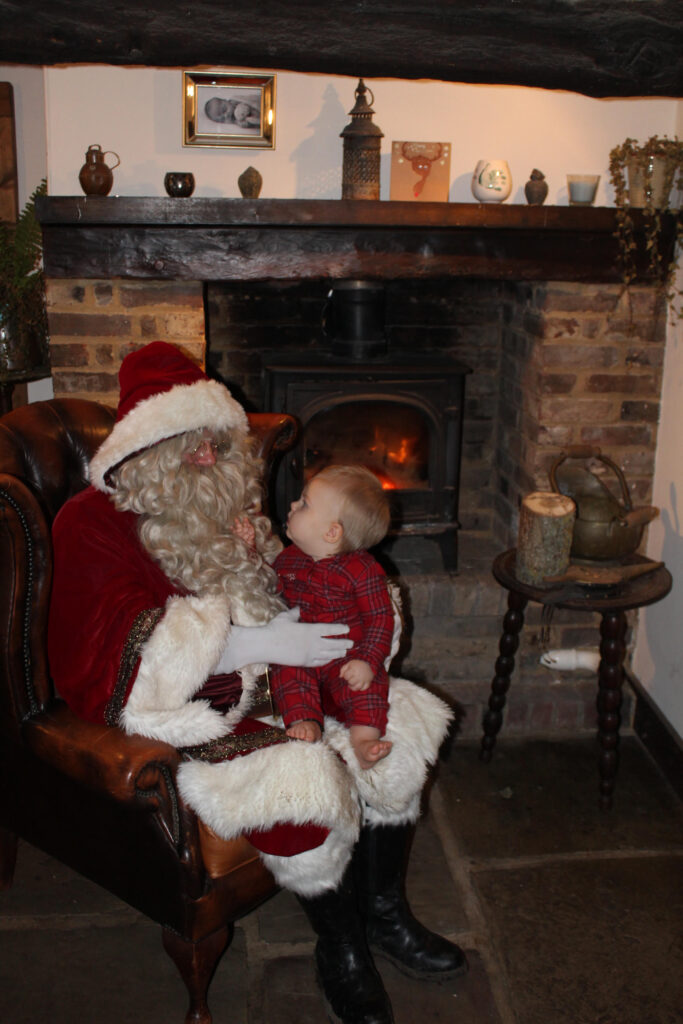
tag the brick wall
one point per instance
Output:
(94, 324)
(580, 364)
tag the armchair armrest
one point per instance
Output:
(101, 757)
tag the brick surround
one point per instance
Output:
(553, 363)
(94, 324)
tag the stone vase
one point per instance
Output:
(250, 183)
(536, 188)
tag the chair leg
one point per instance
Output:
(197, 962)
(8, 857)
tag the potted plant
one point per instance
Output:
(23, 316)
(649, 177)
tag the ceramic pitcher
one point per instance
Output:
(491, 181)
(95, 175)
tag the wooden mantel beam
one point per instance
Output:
(288, 239)
(595, 47)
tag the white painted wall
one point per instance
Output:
(658, 659)
(137, 113)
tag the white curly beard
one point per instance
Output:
(186, 517)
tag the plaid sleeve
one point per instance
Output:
(376, 612)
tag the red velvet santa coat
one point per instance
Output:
(104, 585)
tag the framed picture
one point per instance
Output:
(420, 171)
(228, 109)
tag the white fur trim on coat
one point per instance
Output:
(314, 871)
(295, 782)
(175, 662)
(417, 725)
(396, 603)
(204, 404)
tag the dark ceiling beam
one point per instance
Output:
(595, 47)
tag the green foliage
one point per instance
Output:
(23, 315)
(22, 286)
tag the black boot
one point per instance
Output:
(349, 980)
(392, 931)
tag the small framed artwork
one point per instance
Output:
(420, 171)
(228, 109)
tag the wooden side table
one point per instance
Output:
(612, 602)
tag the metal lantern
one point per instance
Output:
(360, 170)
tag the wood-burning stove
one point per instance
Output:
(399, 416)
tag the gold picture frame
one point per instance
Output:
(225, 108)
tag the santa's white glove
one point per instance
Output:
(285, 641)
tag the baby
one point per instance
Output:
(330, 576)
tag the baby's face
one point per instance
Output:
(311, 517)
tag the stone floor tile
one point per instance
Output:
(43, 888)
(290, 995)
(591, 941)
(432, 893)
(114, 975)
(465, 1000)
(538, 797)
(281, 919)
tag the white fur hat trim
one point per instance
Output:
(206, 404)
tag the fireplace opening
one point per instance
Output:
(388, 437)
(400, 417)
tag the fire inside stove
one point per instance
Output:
(390, 439)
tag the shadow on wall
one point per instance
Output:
(318, 158)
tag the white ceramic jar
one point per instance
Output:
(491, 181)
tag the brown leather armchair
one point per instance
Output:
(104, 803)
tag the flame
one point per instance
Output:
(403, 453)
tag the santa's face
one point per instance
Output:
(205, 452)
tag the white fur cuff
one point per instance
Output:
(417, 725)
(175, 662)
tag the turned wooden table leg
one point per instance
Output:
(505, 663)
(610, 681)
(197, 962)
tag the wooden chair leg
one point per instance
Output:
(197, 962)
(8, 857)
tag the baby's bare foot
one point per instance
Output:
(310, 732)
(369, 752)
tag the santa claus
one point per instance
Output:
(163, 621)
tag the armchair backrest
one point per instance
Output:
(44, 452)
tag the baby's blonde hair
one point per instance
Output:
(364, 506)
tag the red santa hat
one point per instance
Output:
(162, 394)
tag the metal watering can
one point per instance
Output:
(605, 529)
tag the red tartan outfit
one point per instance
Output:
(350, 587)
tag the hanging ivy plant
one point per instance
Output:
(655, 171)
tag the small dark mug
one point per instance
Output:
(179, 183)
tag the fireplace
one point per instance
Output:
(400, 417)
(359, 401)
